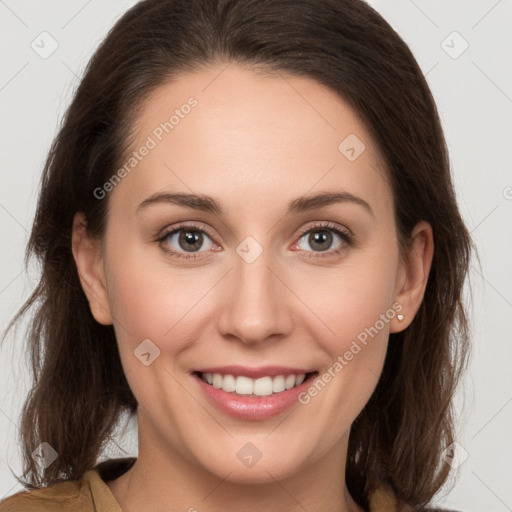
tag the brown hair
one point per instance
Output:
(79, 387)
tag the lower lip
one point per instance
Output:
(252, 408)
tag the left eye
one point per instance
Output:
(321, 239)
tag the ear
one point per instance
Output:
(413, 275)
(89, 262)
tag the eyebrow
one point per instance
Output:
(209, 204)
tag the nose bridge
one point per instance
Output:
(255, 305)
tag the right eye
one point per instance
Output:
(184, 241)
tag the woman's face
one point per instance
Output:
(263, 282)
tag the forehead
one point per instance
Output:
(231, 131)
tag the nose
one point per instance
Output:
(256, 305)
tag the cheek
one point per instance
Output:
(157, 304)
(149, 300)
(354, 304)
(351, 298)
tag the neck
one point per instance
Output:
(165, 479)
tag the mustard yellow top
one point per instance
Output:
(92, 494)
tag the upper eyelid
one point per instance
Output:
(325, 226)
(183, 226)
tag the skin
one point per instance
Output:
(255, 142)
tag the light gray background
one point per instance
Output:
(474, 96)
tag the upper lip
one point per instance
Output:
(254, 373)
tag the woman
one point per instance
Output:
(249, 238)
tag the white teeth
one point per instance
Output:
(217, 380)
(243, 385)
(289, 382)
(263, 386)
(278, 384)
(229, 383)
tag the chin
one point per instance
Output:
(267, 466)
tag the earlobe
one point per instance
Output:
(89, 262)
(413, 275)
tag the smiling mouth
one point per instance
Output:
(263, 386)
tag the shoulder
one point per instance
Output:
(383, 500)
(63, 496)
(89, 494)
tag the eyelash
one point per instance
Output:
(325, 226)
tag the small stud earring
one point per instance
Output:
(400, 317)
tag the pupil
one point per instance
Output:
(321, 237)
(193, 238)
